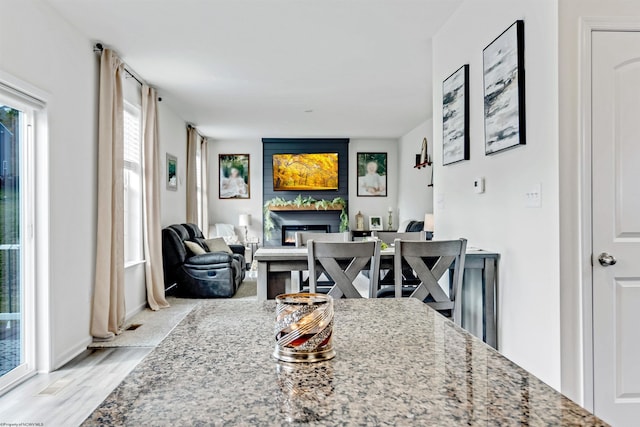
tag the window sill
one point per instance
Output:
(133, 263)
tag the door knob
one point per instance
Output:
(606, 259)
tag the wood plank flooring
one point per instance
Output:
(69, 395)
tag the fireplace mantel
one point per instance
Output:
(304, 208)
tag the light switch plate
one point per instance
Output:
(478, 185)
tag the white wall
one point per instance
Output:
(40, 48)
(570, 13)
(526, 238)
(227, 211)
(415, 197)
(65, 67)
(172, 132)
(377, 206)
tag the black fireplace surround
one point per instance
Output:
(289, 232)
(296, 217)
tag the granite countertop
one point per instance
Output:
(398, 362)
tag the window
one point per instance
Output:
(199, 180)
(133, 252)
(17, 265)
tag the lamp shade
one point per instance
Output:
(244, 220)
(428, 222)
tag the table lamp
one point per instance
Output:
(428, 223)
(244, 221)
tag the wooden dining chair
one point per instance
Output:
(430, 260)
(302, 237)
(343, 262)
(387, 277)
(389, 237)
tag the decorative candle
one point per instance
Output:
(304, 328)
(390, 209)
(359, 221)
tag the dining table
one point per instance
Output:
(397, 363)
(276, 264)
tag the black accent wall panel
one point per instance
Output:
(271, 146)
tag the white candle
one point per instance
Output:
(390, 209)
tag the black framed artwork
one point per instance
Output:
(234, 176)
(455, 116)
(372, 174)
(504, 90)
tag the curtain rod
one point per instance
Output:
(191, 126)
(98, 48)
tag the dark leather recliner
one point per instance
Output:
(238, 250)
(209, 275)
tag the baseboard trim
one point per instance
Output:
(135, 311)
(70, 354)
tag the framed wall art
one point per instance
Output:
(455, 116)
(372, 174)
(172, 172)
(234, 176)
(504, 93)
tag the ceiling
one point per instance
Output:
(277, 68)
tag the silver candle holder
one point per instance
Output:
(304, 328)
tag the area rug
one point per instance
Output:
(148, 328)
(247, 290)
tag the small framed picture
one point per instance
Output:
(375, 223)
(372, 174)
(234, 176)
(172, 172)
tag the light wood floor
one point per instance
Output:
(69, 395)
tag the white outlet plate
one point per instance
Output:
(533, 197)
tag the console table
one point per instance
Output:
(275, 265)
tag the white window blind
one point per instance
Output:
(132, 185)
(199, 179)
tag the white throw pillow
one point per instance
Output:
(195, 248)
(217, 245)
(223, 230)
(231, 240)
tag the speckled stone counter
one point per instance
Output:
(398, 363)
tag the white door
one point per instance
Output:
(616, 225)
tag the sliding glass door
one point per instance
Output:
(16, 208)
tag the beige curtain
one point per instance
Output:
(108, 313)
(204, 162)
(192, 178)
(152, 233)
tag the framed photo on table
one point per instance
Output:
(375, 223)
(372, 174)
(234, 176)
